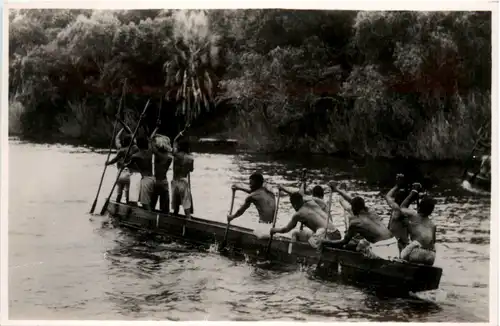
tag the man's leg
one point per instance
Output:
(119, 191)
(126, 188)
(147, 187)
(175, 198)
(164, 197)
(154, 195)
(186, 199)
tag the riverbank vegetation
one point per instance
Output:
(407, 84)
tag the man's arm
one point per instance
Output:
(125, 126)
(132, 162)
(118, 142)
(351, 232)
(409, 199)
(289, 227)
(287, 190)
(115, 159)
(405, 211)
(389, 198)
(412, 195)
(241, 210)
(345, 205)
(342, 193)
(241, 188)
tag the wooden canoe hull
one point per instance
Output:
(479, 181)
(402, 277)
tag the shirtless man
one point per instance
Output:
(397, 223)
(421, 249)
(317, 195)
(162, 150)
(142, 161)
(183, 165)
(262, 198)
(312, 216)
(123, 183)
(378, 240)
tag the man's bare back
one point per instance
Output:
(362, 221)
(312, 216)
(422, 230)
(369, 227)
(265, 204)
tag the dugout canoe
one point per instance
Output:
(479, 181)
(350, 265)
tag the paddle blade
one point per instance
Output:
(104, 207)
(92, 209)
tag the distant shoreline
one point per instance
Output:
(203, 145)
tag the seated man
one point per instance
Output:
(397, 223)
(317, 195)
(348, 215)
(262, 198)
(378, 240)
(310, 215)
(421, 249)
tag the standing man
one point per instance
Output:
(160, 145)
(142, 161)
(183, 165)
(123, 183)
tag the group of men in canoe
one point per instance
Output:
(151, 157)
(409, 236)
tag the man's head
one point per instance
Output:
(142, 143)
(426, 206)
(127, 139)
(296, 200)
(256, 181)
(318, 192)
(358, 205)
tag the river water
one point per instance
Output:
(64, 266)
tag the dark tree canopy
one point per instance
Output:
(374, 83)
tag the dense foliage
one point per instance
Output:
(372, 83)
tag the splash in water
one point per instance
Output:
(468, 186)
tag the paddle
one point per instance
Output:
(303, 178)
(224, 242)
(110, 147)
(105, 206)
(274, 223)
(190, 194)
